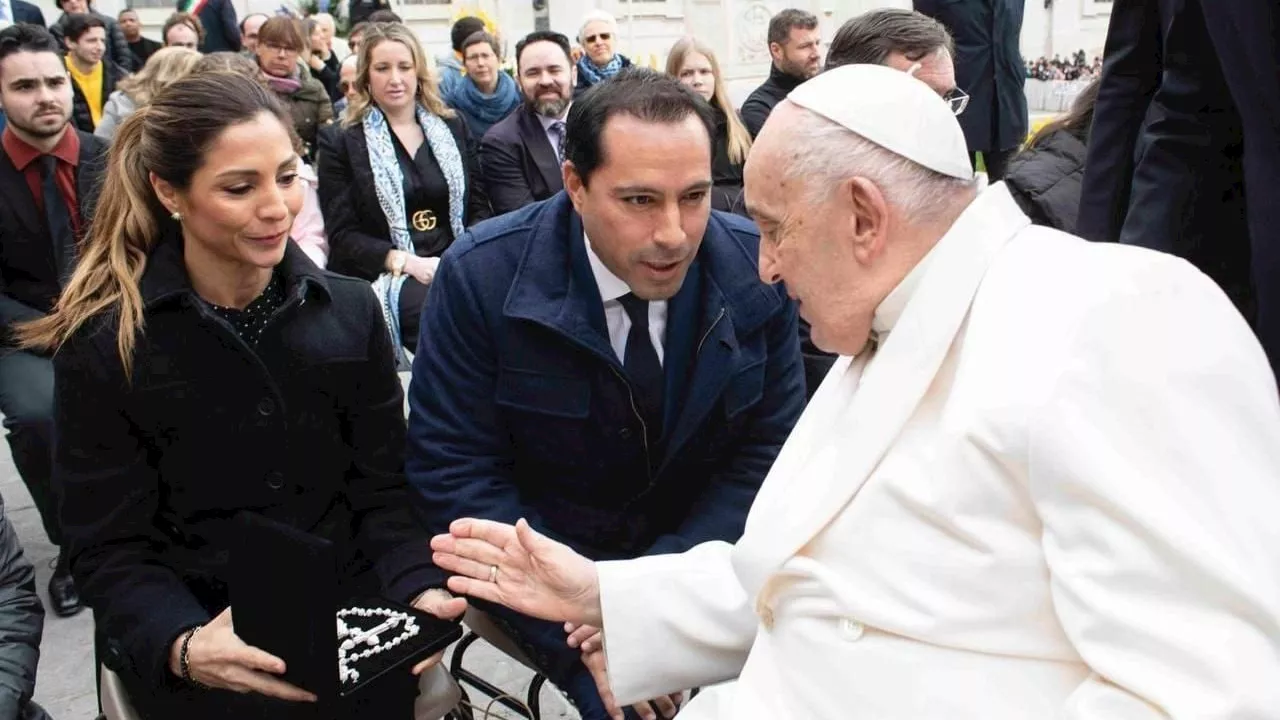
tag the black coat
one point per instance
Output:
(359, 238)
(760, 103)
(25, 12)
(307, 428)
(221, 29)
(726, 176)
(1045, 180)
(518, 163)
(31, 269)
(143, 50)
(80, 115)
(989, 68)
(117, 46)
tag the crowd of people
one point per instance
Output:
(789, 391)
(1076, 67)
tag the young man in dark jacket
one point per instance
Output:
(93, 76)
(117, 46)
(606, 363)
(795, 44)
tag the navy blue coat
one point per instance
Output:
(519, 406)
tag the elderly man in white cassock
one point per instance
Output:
(1042, 481)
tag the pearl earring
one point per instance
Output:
(177, 216)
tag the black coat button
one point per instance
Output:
(275, 479)
(266, 406)
(625, 433)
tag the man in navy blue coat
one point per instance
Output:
(607, 363)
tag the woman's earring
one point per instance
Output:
(177, 216)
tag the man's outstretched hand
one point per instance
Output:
(519, 568)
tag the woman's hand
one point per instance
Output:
(444, 606)
(421, 269)
(217, 657)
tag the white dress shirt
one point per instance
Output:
(613, 287)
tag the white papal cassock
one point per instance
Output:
(1053, 491)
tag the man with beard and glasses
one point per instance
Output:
(93, 76)
(795, 44)
(49, 173)
(606, 363)
(520, 156)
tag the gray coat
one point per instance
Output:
(21, 626)
(115, 111)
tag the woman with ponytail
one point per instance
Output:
(205, 366)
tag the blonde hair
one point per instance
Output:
(165, 66)
(428, 94)
(168, 138)
(739, 138)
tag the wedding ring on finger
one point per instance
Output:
(493, 574)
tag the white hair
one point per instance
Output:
(830, 153)
(325, 19)
(597, 16)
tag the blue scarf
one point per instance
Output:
(388, 184)
(594, 74)
(482, 111)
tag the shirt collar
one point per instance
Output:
(892, 307)
(611, 286)
(547, 121)
(67, 150)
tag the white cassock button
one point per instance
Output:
(851, 629)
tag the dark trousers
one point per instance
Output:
(547, 644)
(413, 296)
(26, 399)
(996, 162)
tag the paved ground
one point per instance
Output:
(65, 684)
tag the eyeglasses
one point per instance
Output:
(955, 98)
(602, 37)
(344, 87)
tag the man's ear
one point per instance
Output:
(869, 219)
(574, 185)
(777, 52)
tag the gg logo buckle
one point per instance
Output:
(424, 220)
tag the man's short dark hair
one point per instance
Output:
(870, 37)
(80, 23)
(642, 93)
(124, 12)
(550, 36)
(181, 18)
(250, 16)
(385, 16)
(463, 29)
(358, 29)
(24, 37)
(780, 25)
(476, 38)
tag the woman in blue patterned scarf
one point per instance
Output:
(400, 180)
(600, 61)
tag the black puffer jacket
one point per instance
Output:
(21, 625)
(1045, 180)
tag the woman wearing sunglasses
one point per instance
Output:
(598, 36)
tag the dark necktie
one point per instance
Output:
(557, 129)
(641, 364)
(58, 217)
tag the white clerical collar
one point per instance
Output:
(891, 308)
(611, 286)
(547, 121)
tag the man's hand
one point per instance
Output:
(665, 706)
(520, 569)
(583, 637)
(217, 657)
(444, 606)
